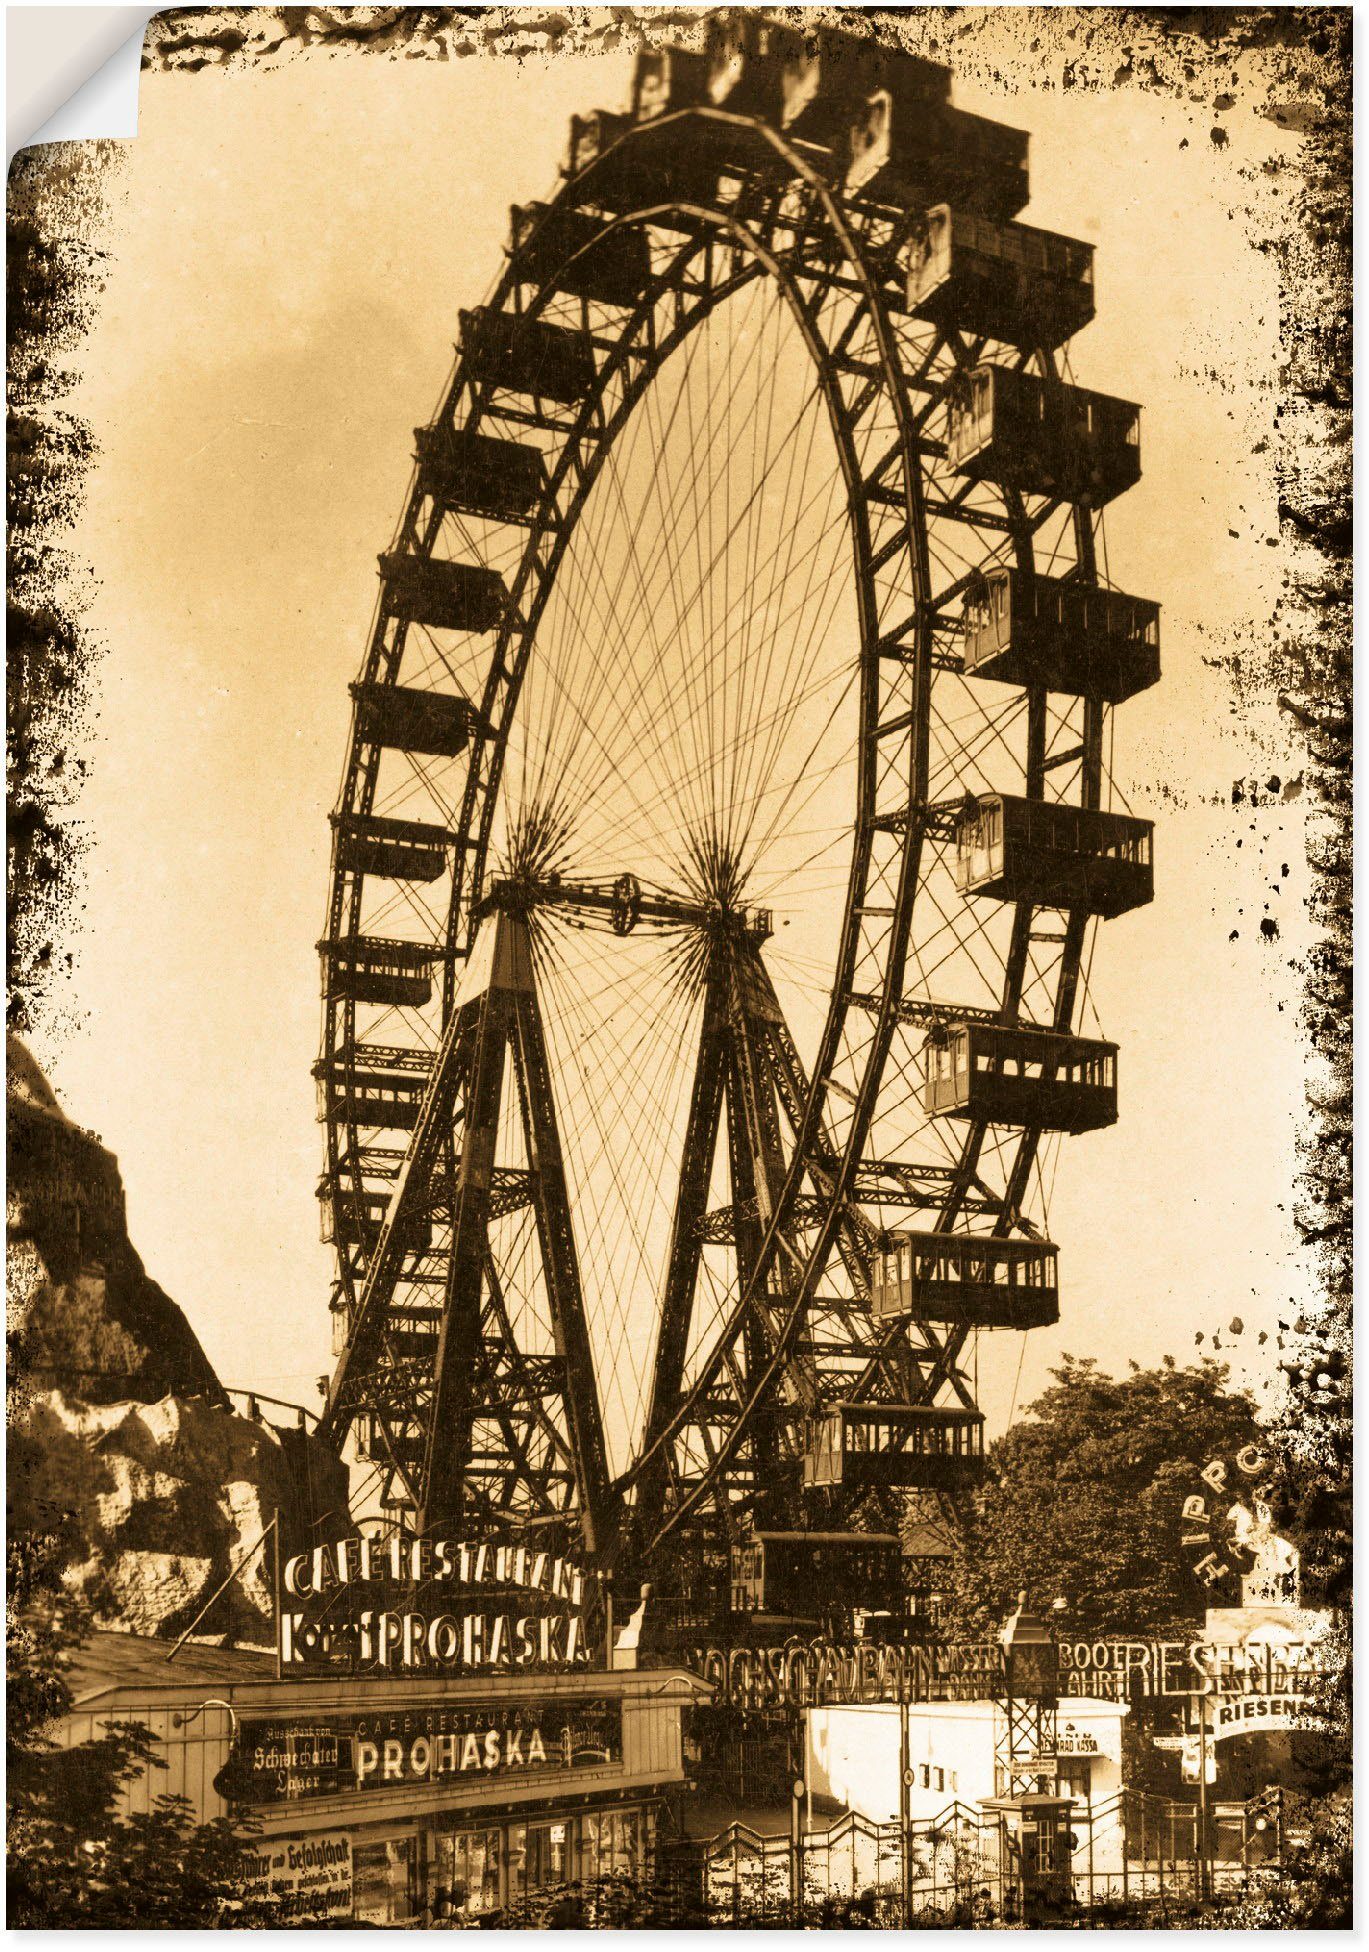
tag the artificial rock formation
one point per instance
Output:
(83, 1313)
(122, 1438)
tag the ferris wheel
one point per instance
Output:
(725, 821)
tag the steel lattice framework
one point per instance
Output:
(468, 880)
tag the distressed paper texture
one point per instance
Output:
(1234, 1013)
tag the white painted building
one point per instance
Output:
(853, 1760)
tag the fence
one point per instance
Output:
(251, 1401)
(1133, 1852)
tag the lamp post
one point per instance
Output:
(1035, 1818)
(1204, 1867)
(1031, 1693)
(905, 1828)
(798, 1790)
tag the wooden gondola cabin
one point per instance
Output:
(745, 57)
(1057, 856)
(973, 1281)
(911, 154)
(512, 354)
(682, 160)
(376, 969)
(475, 475)
(673, 164)
(805, 1576)
(1011, 1075)
(578, 254)
(1030, 288)
(592, 137)
(1069, 637)
(382, 1090)
(406, 719)
(829, 75)
(354, 1215)
(442, 595)
(666, 80)
(1043, 438)
(400, 850)
(874, 1446)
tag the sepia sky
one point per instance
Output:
(288, 251)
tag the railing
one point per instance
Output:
(253, 1399)
(1134, 1854)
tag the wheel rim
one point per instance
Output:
(884, 384)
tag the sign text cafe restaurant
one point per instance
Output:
(435, 1719)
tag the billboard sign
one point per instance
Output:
(357, 1753)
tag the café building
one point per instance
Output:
(374, 1783)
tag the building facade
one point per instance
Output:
(368, 1796)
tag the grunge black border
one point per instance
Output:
(54, 268)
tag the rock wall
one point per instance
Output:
(160, 1500)
(83, 1313)
(122, 1440)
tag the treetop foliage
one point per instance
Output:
(1083, 1495)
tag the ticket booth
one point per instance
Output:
(1036, 1843)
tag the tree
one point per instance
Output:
(1083, 1495)
(74, 1858)
(1313, 1889)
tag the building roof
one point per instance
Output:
(133, 1660)
(136, 1667)
(825, 1538)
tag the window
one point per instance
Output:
(1072, 1779)
(611, 1844)
(1039, 1848)
(466, 1862)
(383, 1881)
(538, 1856)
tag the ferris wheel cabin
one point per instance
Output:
(413, 1334)
(443, 595)
(431, 722)
(1009, 1075)
(354, 1215)
(401, 850)
(679, 162)
(1030, 288)
(744, 63)
(373, 1085)
(1054, 855)
(971, 1280)
(828, 77)
(472, 474)
(376, 969)
(1069, 637)
(665, 171)
(512, 354)
(579, 253)
(801, 1575)
(893, 1446)
(813, 83)
(1010, 426)
(666, 80)
(913, 155)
